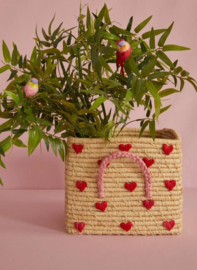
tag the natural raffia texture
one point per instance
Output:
(127, 209)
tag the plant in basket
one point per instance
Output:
(61, 92)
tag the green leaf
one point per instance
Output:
(33, 55)
(128, 96)
(107, 35)
(181, 84)
(14, 60)
(93, 91)
(120, 31)
(165, 109)
(152, 39)
(6, 144)
(178, 70)
(104, 64)
(98, 102)
(4, 68)
(88, 19)
(1, 183)
(49, 28)
(174, 48)
(129, 25)
(13, 73)
(20, 63)
(164, 36)
(149, 67)
(1, 151)
(18, 143)
(160, 74)
(6, 53)
(152, 129)
(6, 124)
(13, 96)
(69, 39)
(2, 164)
(184, 73)
(165, 59)
(53, 145)
(45, 35)
(153, 90)
(106, 15)
(43, 122)
(106, 50)
(33, 139)
(56, 31)
(156, 32)
(84, 111)
(99, 19)
(139, 90)
(133, 84)
(19, 131)
(142, 25)
(145, 124)
(167, 92)
(192, 83)
(60, 148)
(133, 66)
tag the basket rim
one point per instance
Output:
(122, 135)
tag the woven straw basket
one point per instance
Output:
(125, 186)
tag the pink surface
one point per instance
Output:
(17, 23)
(32, 237)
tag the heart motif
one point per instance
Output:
(167, 149)
(170, 184)
(125, 147)
(126, 226)
(79, 226)
(130, 186)
(78, 147)
(148, 204)
(99, 162)
(81, 185)
(169, 224)
(101, 206)
(148, 162)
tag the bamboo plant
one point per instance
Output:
(77, 74)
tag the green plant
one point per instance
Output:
(77, 74)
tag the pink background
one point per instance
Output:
(17, 24)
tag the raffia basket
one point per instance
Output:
(129, 185)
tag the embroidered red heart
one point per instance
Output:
(99, 162)
(169, 224)
(130, 186)
(170, 184)
(125, 147)
(167, 149)
(148, 162)
(148, 204)
(78, 147)
(101, 206)
(126, 226)
(79, 226)
(81, 185)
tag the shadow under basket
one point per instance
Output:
(128, 185)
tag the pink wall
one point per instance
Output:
(17, 23)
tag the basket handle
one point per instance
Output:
(137, 159)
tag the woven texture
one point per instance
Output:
(124, 207)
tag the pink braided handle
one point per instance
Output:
(106, 161)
